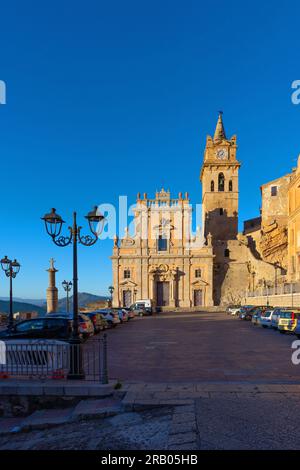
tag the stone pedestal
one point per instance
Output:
(52, 291)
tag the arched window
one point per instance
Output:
(230, 185)
(226, 253)
(212, 186)
(221, 182)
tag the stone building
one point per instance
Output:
(162, 261)
(294, 226)
(269, 234)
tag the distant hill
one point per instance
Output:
(83, 299)
(21, 307)
(40, 306)
(39, 302)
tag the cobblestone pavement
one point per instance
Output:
(265, 422)
(148, 429)
(204, 416)
(196, 347)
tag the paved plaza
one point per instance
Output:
(195, 347)
(189, 381)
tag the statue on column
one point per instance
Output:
(209, 239)
(52, 291)
(116, 241)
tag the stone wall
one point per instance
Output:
(239, 272)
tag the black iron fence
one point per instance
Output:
(52, 359)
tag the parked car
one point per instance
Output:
(276, 316)
(111, 318)
(46, 328)
(245, 315)
(297, 329)
(98, 321)
(233, 310)
(123, 315)
(288, 320)
(143, 305)
(244, 308)
(116, 318)
(140, 310)
(256, 316)
(129, 312)
(246, 312)
(266, 318)
(86, 327)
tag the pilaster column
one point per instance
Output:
(152, 291)
(172, 291)
(116, 294)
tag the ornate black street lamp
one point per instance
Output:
(67, 285)
(111, 291)
(11, 269)
(53, 225)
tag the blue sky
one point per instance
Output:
(111, 98)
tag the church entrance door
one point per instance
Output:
(127, 299)
(198, 297)
(162, 294)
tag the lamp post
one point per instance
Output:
(67, 285)
(266, 286)
(53, 225)
(277, 266)
(111, 291)
(11, 269)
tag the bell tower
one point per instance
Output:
(220, 185)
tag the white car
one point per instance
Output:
(233, 311)
(266, 319)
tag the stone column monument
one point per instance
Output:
(52, 292)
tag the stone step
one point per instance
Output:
(43, 419)
(94, 409)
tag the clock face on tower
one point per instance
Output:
(222, 154)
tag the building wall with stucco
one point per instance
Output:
(294, 226)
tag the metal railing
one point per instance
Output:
(280, 289)
(52, 359)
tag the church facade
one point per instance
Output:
(163, 261)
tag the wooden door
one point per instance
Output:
(198, 297)
(127, 298)
(163, 295)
